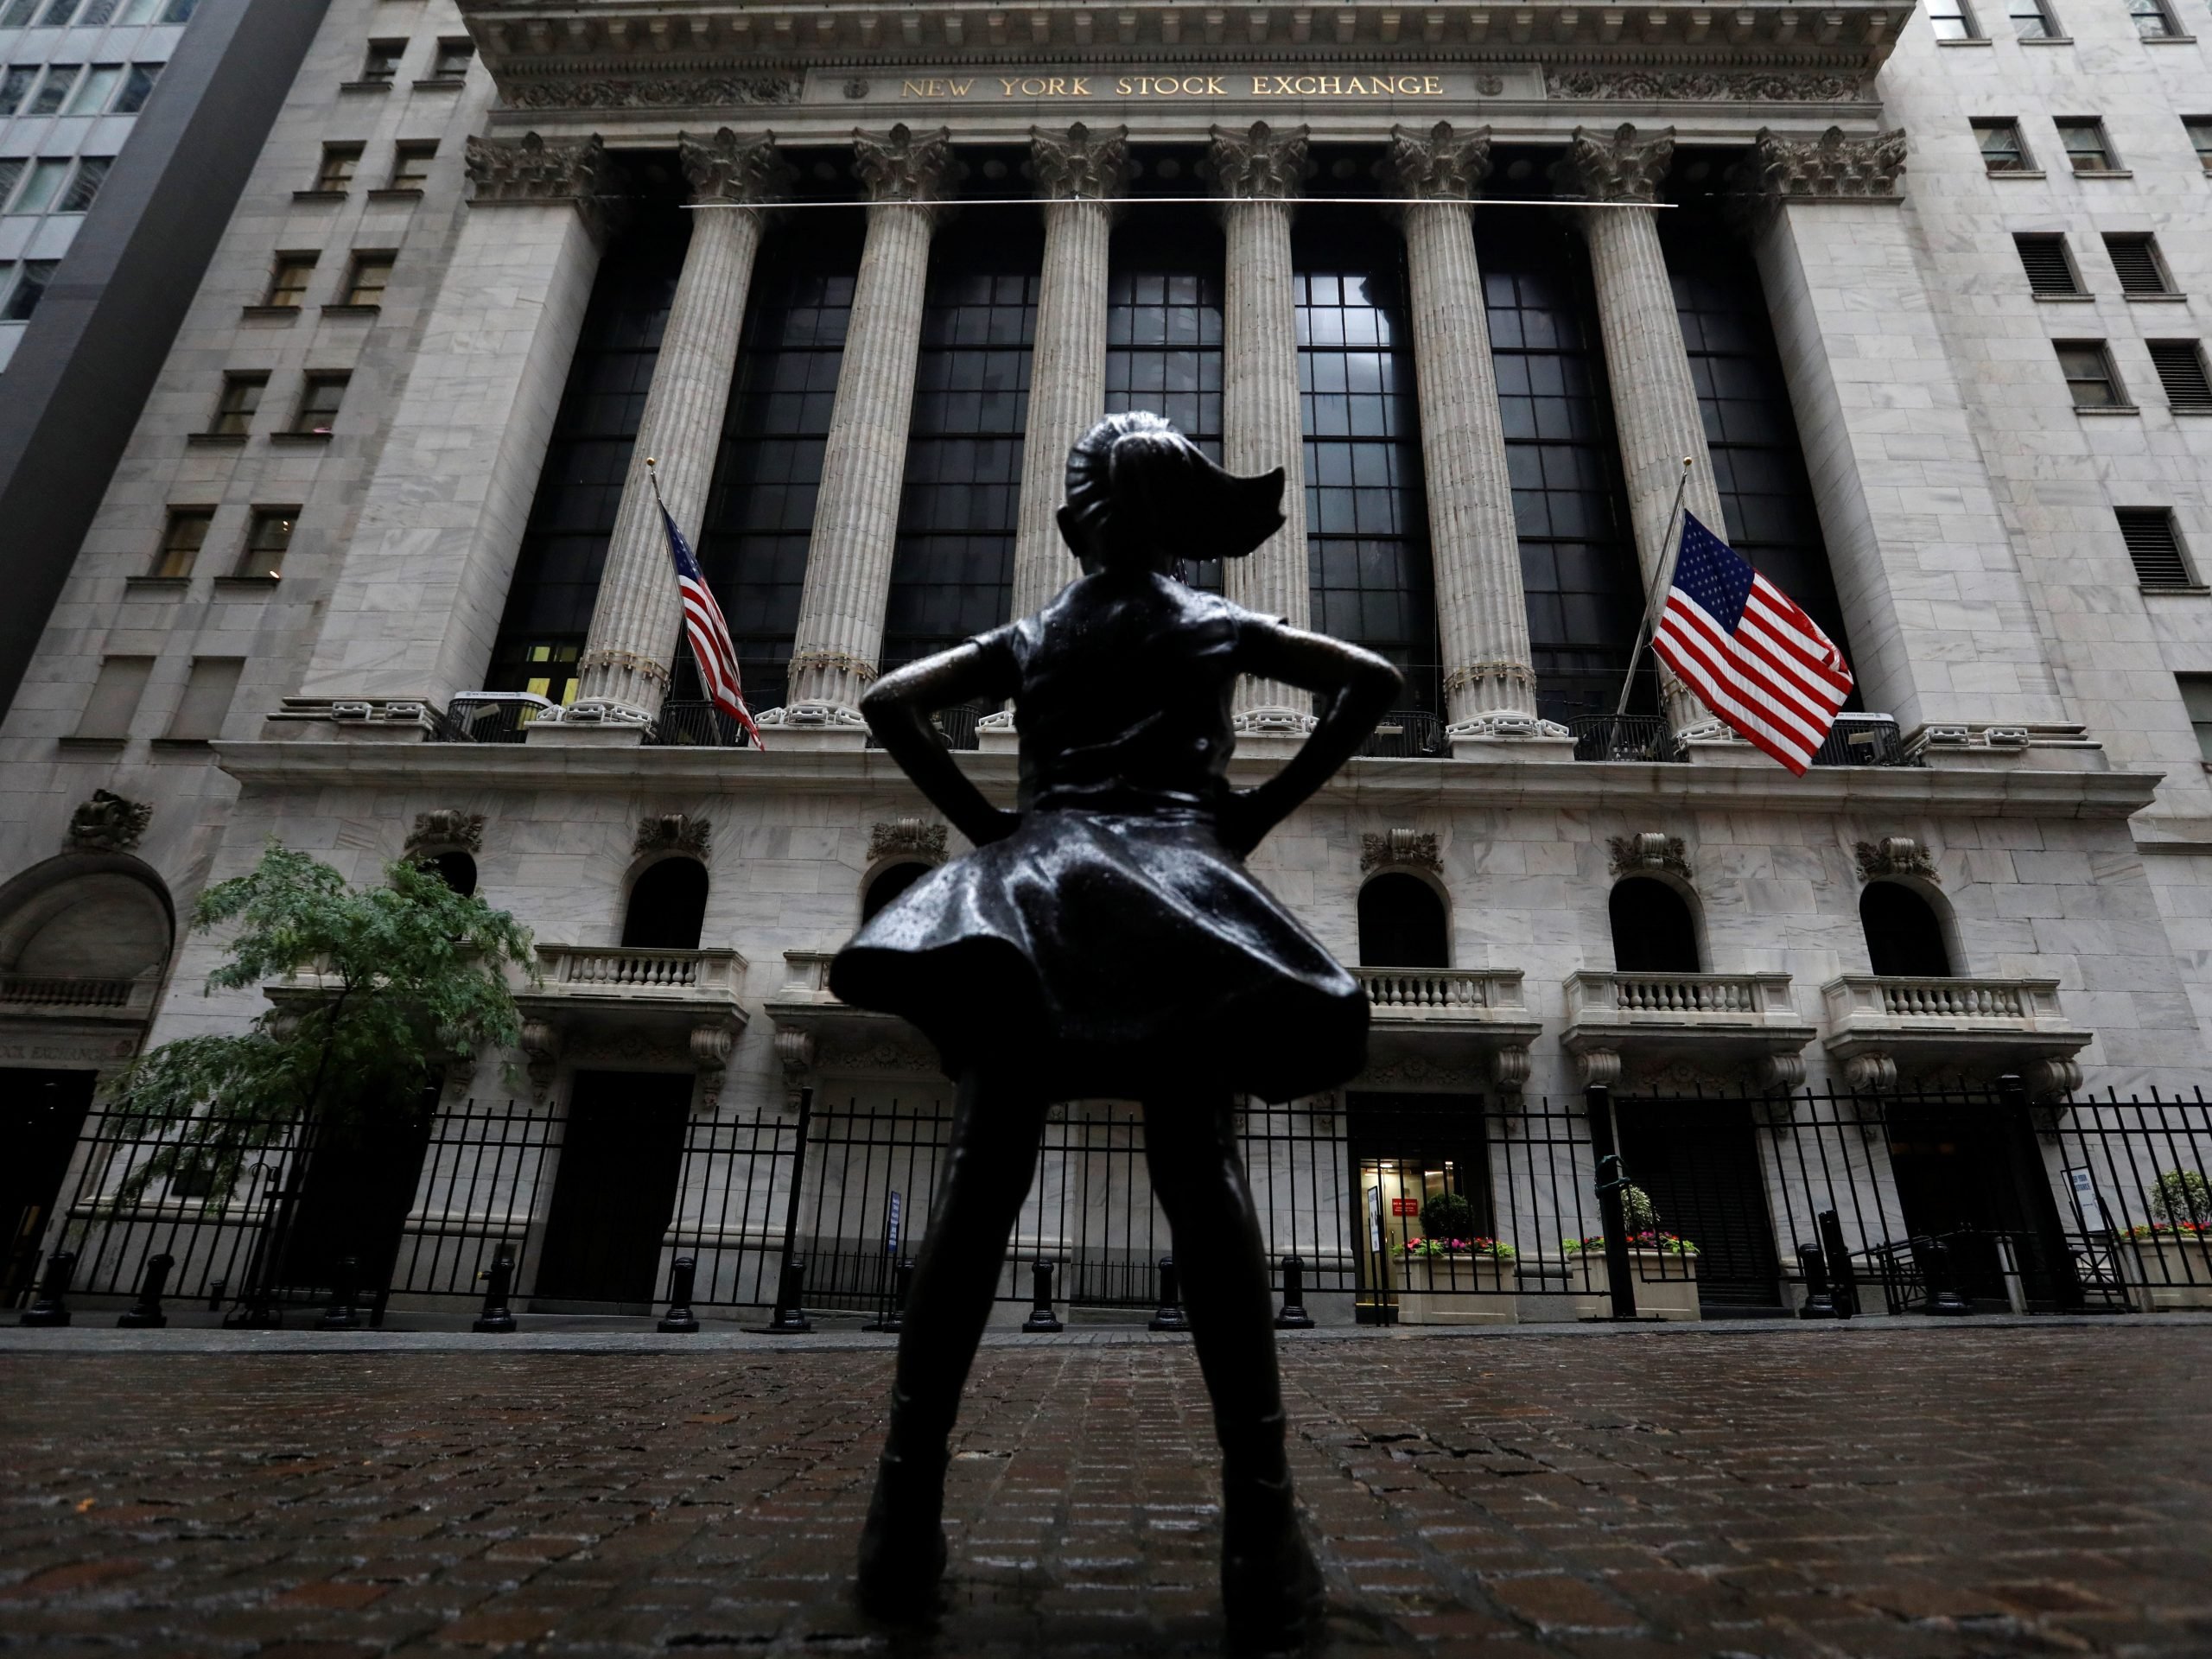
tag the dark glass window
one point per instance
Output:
(888, 885)
(1366, 510)
(564, 544)
(456, 869)
(1903, 933)
(1653, 930)
(1751, 431)
(760, 515)
(952, 574)
(1402, 923)
(1577, 553)
(1164, 328)
(668, 906)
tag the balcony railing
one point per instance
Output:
(491, 717)
(633, 971)
(1624, 737)
(72, 994)
(1415, 993)
(1876, 1022)
(1864, 741)
(1406, 735)
(1730, 1018)
(956, 727)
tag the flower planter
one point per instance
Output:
(1673, 1297)
(1454, 1290)
(2165, 1274)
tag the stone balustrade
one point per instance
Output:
(1878, 1023)
(1717, 1021)
(76, 996)
(629, 968)
(1425, 1018)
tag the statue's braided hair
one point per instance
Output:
(1135, 485)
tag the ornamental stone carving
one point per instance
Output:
(1257, 164)
(541, 1050)
(1400, 849)
(726, 168)
(107, 824)
(674, 832)
(1079, 164)
(915, 837)
(1439, 165)
(1707, 86)
(1831, 168)
(654, 91)
(903, 166)
(1624, 165)
(531, 172)
(711, 1047)
(1648, 851)
(1893, 856)
(445, 831)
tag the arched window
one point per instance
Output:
(1904, 933)
(456, 869)
(1402, 923)
(668, 906)
(888, 885)
(1653, 930)
(103, 925)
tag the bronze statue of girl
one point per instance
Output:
(1104, 940)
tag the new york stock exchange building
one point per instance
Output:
(1902, 304)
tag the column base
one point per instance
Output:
(1273, 721)
(1508, 734)
(996, 734)
(814, 726)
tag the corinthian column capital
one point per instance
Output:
(529, 172)
(904, 166)
(1439, 165)
(1622, 166)
(1080, 164)
(1831, 168)
(726, 167)
(1262, 164)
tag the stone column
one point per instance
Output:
(635, 625)
(1080, 173)
(1489, 682)
(849, 561)
(1655, 401)
(414, 607)
(1256, 174)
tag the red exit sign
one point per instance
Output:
(1405, 1206)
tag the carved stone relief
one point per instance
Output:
(726, 168)
(107, 824)
(1893, 856)
(1707, 86)
(674, 832)
(917, 837)
(1401, 849)
(1260, 162)
(905, 166)
(1624, 165)
(1648, 851)
(654, 92)
(1438, 165)
(1831, 168)
(445, 829)
(1079, 163)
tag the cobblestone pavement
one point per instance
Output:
(1813, 1491)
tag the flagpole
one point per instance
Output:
(1666, 561)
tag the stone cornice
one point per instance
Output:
(1624, 165)
(1259, 164)
(1439, 165)
(1079, 163)
(726, 168)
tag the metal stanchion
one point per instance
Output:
(1293, 1316)
(1820, 1299)
(145, 1313)
(342, 1314)
(1170, 1316)
(497, 1318)
(680, 1320)
(1040, 1321)
(1843, 1280)
(50, 1306)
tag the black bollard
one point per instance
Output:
(1820, 1299)
(497, 1318)
(895, 1312)
(790, 1318)
(681, 1321)
(51, 1304)
(1040, 1321)
(1170, 1316)
(1943, 1298)
(145, 1313)
(1844, 1284)
(342, 1314)
(1293, 1316)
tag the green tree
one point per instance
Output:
(394, 981)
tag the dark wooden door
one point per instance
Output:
(1698, 1162)
(355, 1193)
(622, 1154)
(41, 1114)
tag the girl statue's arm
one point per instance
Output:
(898, 707)
(1360, 687)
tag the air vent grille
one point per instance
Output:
(2154, 547)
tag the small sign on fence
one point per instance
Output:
(891, 1212)
(2084, 1186)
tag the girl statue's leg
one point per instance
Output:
(1270, 1586)
(995, 1128)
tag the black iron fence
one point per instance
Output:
(1408, 1207)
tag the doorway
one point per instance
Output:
(1407, 1149)
(355, 1195)
(1961, 1174)
(1698, 1162)
(42, 1115)
(621, 1156)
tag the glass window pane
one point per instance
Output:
(138, 87)
(11, 169)
(57, 13)
(93, 92)
(30, 286)
(14, 81)
(92, 172)
(17, 14)
(40, 187)
(54, 91)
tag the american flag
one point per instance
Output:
(1760, 664)
(710, 635)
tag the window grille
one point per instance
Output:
(2180, 364)
(2044, 259)
(2154, 547)
(2136, 259)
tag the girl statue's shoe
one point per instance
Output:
(902, 1542)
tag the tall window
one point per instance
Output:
(137, 87)
(952, 573)
(14, 81)
(85, 187)
(114, 698)
(235, 408)
(268, 538)
(2087, 148)
(2199, 129)
(2089, 374)
(760, 515)
(1366, 511)
(410, 163)
(288, 280)
(95, 89)
(1578, 555)
(2154, 22)
(209, 686)
(2197, 702)
(41, 185)
(1654, 932)
(452, 58)
(2003, 150)
(1402, 923)
(319, 398)
(380, 62)
(1164, 328)
(668, 906)
(2033, 21)
(339, 162)
(1904, 936)
(30, 287)
(182, 538)
(54, 91)
(370, 276)
(587, 460)
(1953, 20)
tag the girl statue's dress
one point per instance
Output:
(1104, 940)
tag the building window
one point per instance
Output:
(381, 61)
(58, 13)
(14, 81)
(1402, 923)
(411, 164)
(2087, 147)
(84, 189)
(2089, 374)
(30, 287)
(370, 276)
(54, 92)
(1951, 19)
(288, 280)
(452, 58)
(2136, 259)
(179, 11)
(137, 87)
(115, 696)
(2003, 150)
(209, 686)
(95, 89)
(2050, 268)
(2033, 21)
(339, 163)
(2180, 364)
(2154, 547)
(1653, 930)
(268, 538)
(17, 14)
(182, 538)
(42, 184)
(235, 408)
(2199, 128)
(319, 402)
(888, 885)
(11, 173)
(2196, 698)
(2152, 21)
(1904, 937)
(668, 906)
(544, 669)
